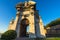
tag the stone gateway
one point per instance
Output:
(27, 22)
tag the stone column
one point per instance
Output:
(39, 27)
(17, 24)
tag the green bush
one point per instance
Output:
(53, 23)
(9, 35)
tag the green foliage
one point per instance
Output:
(53, 23)
(9, 35)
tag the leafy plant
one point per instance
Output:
(9, 35)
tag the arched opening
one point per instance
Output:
(23, 27)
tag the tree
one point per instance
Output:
(9, 35)
(53, 23)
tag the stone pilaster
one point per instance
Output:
(42, 31)
(32, 27)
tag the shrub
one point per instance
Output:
(9, 35)
(53, 23)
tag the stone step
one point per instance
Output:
(25, 39)
(22, 38)
(29, 39)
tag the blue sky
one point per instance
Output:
(48, 9)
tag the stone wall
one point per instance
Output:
(53, 31)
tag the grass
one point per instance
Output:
(53, 38)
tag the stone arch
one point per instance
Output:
(23, 27)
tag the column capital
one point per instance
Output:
(18, 13)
